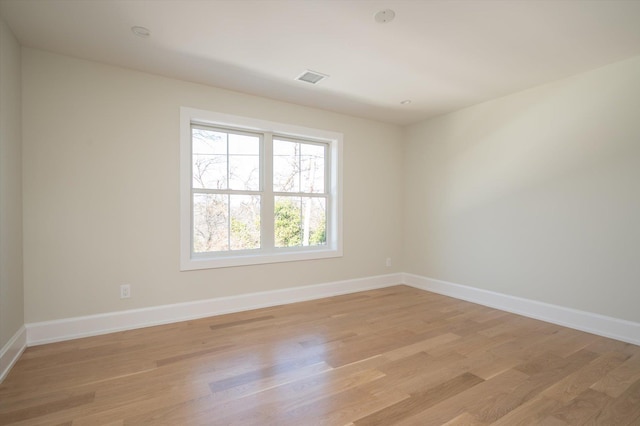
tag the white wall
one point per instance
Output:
(11, 284)
(536, 194)
(101, 191)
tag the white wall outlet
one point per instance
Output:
(125, 291)
(388, 262)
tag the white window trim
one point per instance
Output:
(227, 259)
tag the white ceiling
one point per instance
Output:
(443, 55)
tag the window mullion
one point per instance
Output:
(267, 203)
(301, 194)
(228, 196)
(225, 191)
(328, 189)
(300, 167)
(228, 161)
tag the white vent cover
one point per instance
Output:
(311, 77)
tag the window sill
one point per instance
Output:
(196, 263)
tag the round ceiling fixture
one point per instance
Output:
(405, 102)
(141, 31)
(385, 16)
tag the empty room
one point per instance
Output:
(319, 212)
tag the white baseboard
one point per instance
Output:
(10, 352)
(73, 328)
(626, 331)
(93, 325)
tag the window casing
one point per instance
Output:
(254, 191)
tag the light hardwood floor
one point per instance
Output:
(395, 356)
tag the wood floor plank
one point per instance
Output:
(543, 371)
(551, 421)
(623, 410)
(530, 413)
(390, 356)
(582, 408)
(261, 373)
(420, 346)
(619, 379)
(420, 401)
(9, 417)
(464, 419)
(472, 400)
(574, 384)
(240, 322)
(346, 405)
(266, 407)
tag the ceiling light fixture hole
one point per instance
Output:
(385, 16)
(141, 31)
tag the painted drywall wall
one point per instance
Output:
(11, 283)
(536, 194)
(101, 191)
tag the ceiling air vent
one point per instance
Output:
(311, 77)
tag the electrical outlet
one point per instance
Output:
(388, 262)
(125, 291)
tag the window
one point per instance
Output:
(225, 187)
(254, 191)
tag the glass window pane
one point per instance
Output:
(312, 167)
(208, 142)
(244, 172)
(244, 144)
(281, 147)
(286, 166)
(209, 159)
(209, 171)
(245, 222)
(314, 221)
(244, 162)
(210, 223)
(288, 221)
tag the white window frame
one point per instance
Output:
(268, 253)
